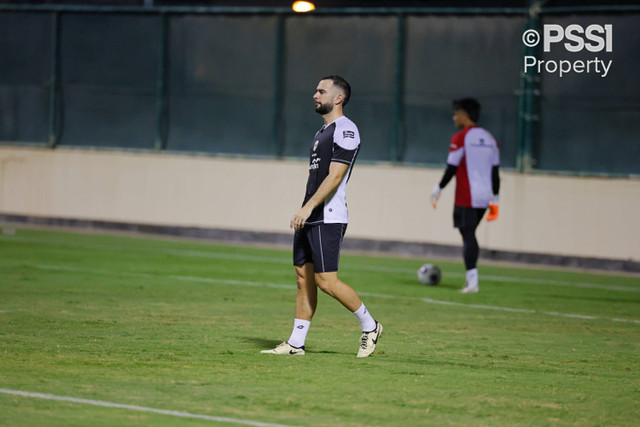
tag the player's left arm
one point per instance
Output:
(495, 186)
(495, 199)
(495, 180)
(337, 172)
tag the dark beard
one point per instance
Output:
(324, 109)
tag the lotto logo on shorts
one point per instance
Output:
(348, 134)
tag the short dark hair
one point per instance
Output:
(469, 105)
(342, 84)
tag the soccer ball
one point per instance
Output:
(429, 274)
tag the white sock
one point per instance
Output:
(367, 322)
(472, 278)
(299, 334)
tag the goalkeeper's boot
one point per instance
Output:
(285, 348)
(368, 341)
(468, 289)
(471, 286)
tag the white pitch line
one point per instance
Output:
(223, 255)
(180, 278)
(104, 404)
(550, 282)
(506, 279)
(498, 308)
(373, 295)
(91, 270)
(231, 282)
(383, 269)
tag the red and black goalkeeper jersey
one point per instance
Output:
(474, 151)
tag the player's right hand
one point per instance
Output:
(300, 217)
(435, 195)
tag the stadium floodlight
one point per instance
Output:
(303, 6)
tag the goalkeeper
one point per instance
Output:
(474, 159)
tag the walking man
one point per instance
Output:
(321, 222)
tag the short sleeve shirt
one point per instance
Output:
(338, 141)
(474, 151)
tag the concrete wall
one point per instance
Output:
(545, 214)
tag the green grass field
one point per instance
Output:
(175, 325)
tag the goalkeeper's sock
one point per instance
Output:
(367, 322)
(472, 278)
(299, 333)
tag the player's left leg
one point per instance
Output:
(329, 283)
(326, 241)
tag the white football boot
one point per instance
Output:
(369, 340)
(469, 289)
(471, 286)
(285, 348)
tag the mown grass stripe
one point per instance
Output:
(348, 267)
(374, 295)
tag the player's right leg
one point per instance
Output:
(467, 221)
(306, 299)
(306, 303)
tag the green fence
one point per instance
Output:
(240, 81)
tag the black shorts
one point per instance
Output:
(319, 244)
(467, 217)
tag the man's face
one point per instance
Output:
(325, 97)
(460, 118)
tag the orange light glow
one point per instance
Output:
(303, 6)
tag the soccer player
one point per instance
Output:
(474, 159)
(321, 222)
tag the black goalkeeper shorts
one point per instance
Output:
(467, 218)
(319, 244)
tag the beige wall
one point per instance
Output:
(546, 214)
